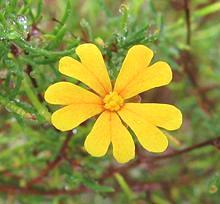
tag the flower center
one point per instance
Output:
(113, 101)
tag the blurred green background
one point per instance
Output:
(39, 164)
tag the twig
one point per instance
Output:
(214, 142)
(188, 21)
(190, 67)
(208, 88)
(111, 171)
(51, 165)
(138, 187)
(35, 191)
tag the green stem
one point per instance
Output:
(41, 52)
(199, 13)
(13, 107)
(42, 110)
(124, 186)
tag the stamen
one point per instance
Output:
(113, 101)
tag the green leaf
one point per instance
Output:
(96, 187)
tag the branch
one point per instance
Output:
(190, 67)
(188, 21)
(112, 170)
(213, 142)
(51, 165)
(35, 191)
(136, 186)
(10, 189)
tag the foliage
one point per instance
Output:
(39, 164)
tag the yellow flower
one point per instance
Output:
(111, 103)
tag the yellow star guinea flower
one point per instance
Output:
(135, 76)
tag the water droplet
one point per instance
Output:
(22, 20)
(17, 100)
(74, 131)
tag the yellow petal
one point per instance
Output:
(137, 59)
(66, 93)
(73, 115)
(149, 136)
(122, 142)
(98, 140)
(73, 68)
(108, 128)
(92, 59)
(161, 115)
(159, 74)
